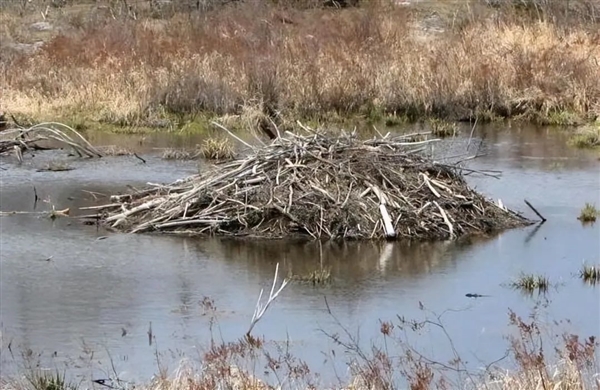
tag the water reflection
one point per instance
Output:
(535, 147)
(349, 261)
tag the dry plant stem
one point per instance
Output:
(27, 138)
(231, 134)
(260, 310)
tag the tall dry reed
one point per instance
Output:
(298, 62)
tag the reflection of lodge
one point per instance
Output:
(350, 262)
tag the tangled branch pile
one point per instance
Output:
(318, 185)
(20, 140)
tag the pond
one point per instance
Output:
(77, 296)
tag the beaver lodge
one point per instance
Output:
(319, 186)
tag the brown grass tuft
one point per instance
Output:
(588, 137)
(217, 149)
(115, 150)
(177, 154)
(588, 213)
(590, 274)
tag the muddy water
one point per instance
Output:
(95, 298)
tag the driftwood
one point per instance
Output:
(319, 186)
(20, 140)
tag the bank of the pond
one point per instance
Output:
(149, 68)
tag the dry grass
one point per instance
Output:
(217, 149)
(567, 362)
(588, 137)
(56, 166)
(531, 283)
(115, 150)
(590, 274)
(441, 128)
(588, 213)
(177, 154)
(298, 62)
(318, 276)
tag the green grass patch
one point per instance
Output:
(561, 118)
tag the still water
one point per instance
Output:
(78, 296)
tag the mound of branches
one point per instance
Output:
(45, 136)
(320, 186)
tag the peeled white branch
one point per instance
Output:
(260, 310)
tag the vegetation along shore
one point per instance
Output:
(180, 64)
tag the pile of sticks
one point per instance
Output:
(325, 187)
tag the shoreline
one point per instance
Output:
(250, 65)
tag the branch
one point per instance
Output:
(260, 309)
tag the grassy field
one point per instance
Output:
(168, 64)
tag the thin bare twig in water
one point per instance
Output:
(535, 211)
(472, 131)
(139, 158)
(35, 197)
(489, 365)
(231, 134)
(112, 364)
(355, 345)
(260, 310)
(94, 194)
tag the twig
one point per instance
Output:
(472, 131)
(260, 310)
(446, 220)
(426, 180)
(139, 158)
(535, 211)
(231, 134)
